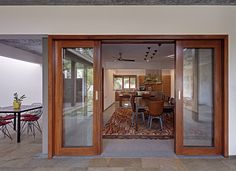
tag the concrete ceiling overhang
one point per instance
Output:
(118, 2)
(30, 45)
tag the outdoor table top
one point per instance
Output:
(24, 108)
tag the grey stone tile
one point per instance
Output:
(119, 2)
(17, 162)
(231, 163)
(16, 169)
(78, 169)
(141, 169)
(72, 162)
(52, 169)
(105, 169)
(41, 163)
(99, 162)
(171, 164)
(125, 162)
(205, 165)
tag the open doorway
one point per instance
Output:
(142, 71)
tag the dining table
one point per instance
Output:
(17, 116)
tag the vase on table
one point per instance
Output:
(16, 104)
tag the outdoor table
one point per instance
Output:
(17, 113)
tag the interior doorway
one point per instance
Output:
(144, 70)
(216, 47)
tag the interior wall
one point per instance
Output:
(19, 76)
(109, 93)
(169, 20)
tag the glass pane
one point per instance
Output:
(67, 69)
(78, 97)
(126, 82)
(132, 82)
(117, 83)
(198, 97)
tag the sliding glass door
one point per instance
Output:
(199, 97)
(77, 98)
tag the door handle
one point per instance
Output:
(179, 95)
(96, 95)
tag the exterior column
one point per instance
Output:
(73, 83)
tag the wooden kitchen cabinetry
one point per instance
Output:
(164, 87)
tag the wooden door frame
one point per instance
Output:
(126, 38)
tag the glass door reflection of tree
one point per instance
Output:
(78, 99)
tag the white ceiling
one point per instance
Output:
(138, 52)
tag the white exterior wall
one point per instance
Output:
(150, 20)
(19, 75)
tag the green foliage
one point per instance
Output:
(18, 99)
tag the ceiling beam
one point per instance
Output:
(118, 2)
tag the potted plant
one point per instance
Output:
(17, 101)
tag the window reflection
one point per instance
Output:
(78, 97)
(198, 97)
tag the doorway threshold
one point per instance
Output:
(137, 148)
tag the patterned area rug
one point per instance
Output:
(119, 126)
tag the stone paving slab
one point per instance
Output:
(117, 2)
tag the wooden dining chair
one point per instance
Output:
(169, 111)
(134, 112)
(155, 109)
(146, 96)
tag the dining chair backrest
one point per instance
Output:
(37, 112)
(163, 97)
(132, 103)
(155, 107)
(172, 101)
(146, 96)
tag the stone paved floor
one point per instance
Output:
(26, 156)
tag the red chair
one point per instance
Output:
(8, 117)
(4, 129)
(31, 121)
(32, 113)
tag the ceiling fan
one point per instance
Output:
(120, 58)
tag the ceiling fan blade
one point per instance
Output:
(128, 60)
